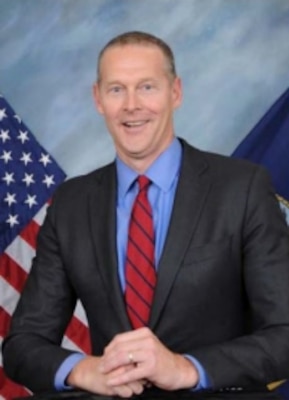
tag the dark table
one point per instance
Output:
(156, 394)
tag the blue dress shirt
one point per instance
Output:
(164, 175)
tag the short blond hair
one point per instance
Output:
(142, 38)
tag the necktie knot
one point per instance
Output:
(143, 182)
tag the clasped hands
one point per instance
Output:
(132, 361)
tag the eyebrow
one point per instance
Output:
(119, 82)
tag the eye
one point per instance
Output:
(147, 86)
(115, 89)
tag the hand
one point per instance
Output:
(150, 359)
(87, 375)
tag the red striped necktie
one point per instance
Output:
(140, 266)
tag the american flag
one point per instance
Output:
(28, 177)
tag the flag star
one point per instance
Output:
(30, 200)
(10, 198)
(48, 180)
(26, 158)
(12, 220)
(4, 135)
(3, 114)
(23, 136)
(45, 159)
(8, 178)
(28, 179)
(6, 156)
(17, 118)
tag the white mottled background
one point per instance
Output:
(233, 56)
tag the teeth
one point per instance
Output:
(134, 123)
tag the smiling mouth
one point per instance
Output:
(134, 124)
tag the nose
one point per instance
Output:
(131, 101)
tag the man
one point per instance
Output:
(218, 312)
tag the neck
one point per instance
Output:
(142, 164)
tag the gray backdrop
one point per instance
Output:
(233, 56)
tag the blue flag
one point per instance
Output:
(268, 144)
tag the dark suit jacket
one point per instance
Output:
(222, 291)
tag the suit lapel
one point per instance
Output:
(102, 209)
(192, 190)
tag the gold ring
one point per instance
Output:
(130, 358)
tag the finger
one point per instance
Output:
(122, 338)
(115, 363)
(136, 387)
(128, 390)
(118, 359)
(122, 391)
(124, 376)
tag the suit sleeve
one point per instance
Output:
(31, 348)
(263, 353)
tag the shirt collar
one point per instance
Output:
(162, 172)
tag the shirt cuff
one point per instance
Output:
(64, 370)
(204, 380)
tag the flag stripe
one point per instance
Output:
(29, 176)
(80, 313)
(77, 332)
(4, 325)
(30, 232)
(10, 389)
(21, 252)
(12, 273)
(40, 215)
(69, 344)
(9, 296)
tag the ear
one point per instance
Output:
(177, 92)
(97, 97)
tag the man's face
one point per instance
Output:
(137, 96)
